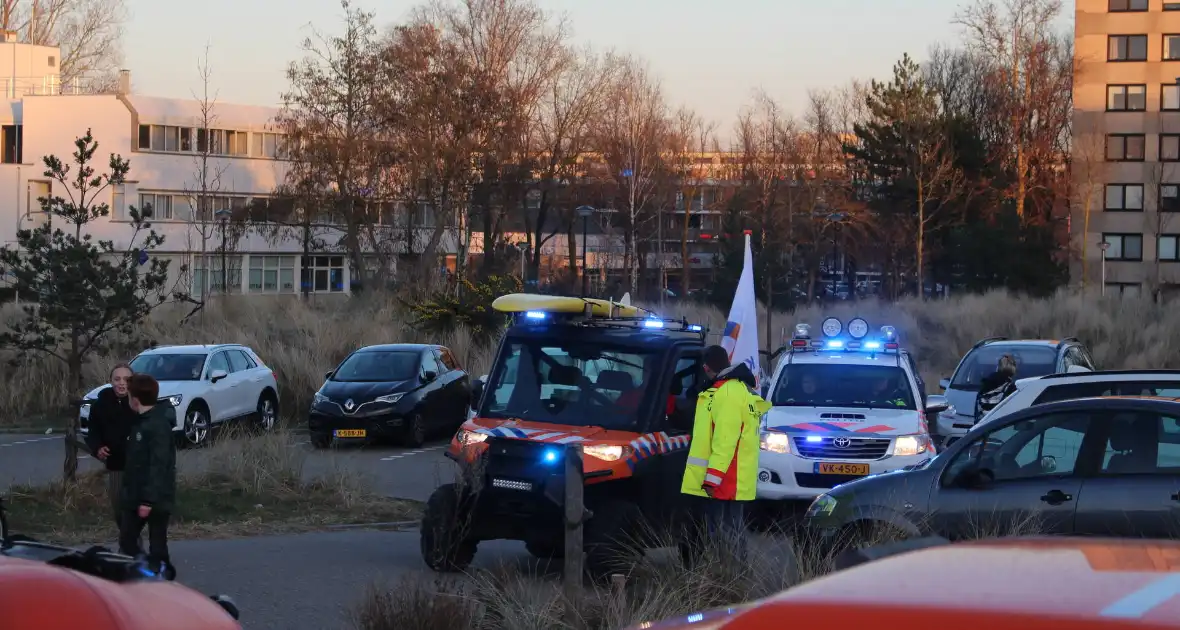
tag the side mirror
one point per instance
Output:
(217, 375)
(477, 392)
(944, 383)
(936, 404)
(328, 374)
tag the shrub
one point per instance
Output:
(464, 304)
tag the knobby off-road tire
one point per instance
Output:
(446, 545)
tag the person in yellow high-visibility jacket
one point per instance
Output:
(722, 469)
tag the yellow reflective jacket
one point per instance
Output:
(723, 454)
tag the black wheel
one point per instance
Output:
(321, 440)
(545, 550)
(266, 415)
(414, 433)
(612, 542)
(445, 543)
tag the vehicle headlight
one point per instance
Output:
(467, 438)
(605, 453)
(390, 398)
(172, 400)
(318, 398)
(84, 410)
(775, 442)
(823, 505)
(911, 445)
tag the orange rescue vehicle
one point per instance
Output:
(1021, 584)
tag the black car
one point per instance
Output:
(1093, 466)
(403, 392)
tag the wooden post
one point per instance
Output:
(575, 510)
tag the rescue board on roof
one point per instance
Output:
(525, 302)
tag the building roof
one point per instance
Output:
(187, 112)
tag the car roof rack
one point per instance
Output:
(582, 320)
(984, 342)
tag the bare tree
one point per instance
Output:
(89, 33)
(693, 138)
(1088, 171)
(1158, 217)
(632, 137)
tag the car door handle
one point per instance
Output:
(1056, 497)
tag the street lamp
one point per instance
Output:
(523, 246)
(222, 217)
(1104, 246)
(585, 212)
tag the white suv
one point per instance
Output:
(208, 385)
(1058, 387)
(845, 407)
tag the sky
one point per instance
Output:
(712, 55)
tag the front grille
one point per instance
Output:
(857, 448)
(813, 480)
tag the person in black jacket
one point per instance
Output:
(149, 484)
(109, 425)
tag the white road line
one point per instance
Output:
(416, 451)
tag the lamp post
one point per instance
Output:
(222, 216)
(523, 246)
(1104, 246)
(585, 212)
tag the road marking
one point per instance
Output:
(416, 451)
(1144, 600)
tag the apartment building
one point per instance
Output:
(1126, 146)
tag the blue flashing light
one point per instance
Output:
(835, 343)
(653, 323)
(550, 456)
(814, 438)
(695, 328)
(535, 315)
(872, 345)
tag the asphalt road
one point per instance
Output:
(398, 472)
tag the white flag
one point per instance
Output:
(741, 330)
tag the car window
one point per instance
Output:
(448, 359)
(982, 362)
(847, 386)
(1044, 446)
(237, 361)
(1142, 443)
(217, 362)
(430, 363)
(250, 362)
(687, 369)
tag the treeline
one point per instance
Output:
(478, 124)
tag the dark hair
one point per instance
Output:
(121, 366)
(143, 388)
(716, 358)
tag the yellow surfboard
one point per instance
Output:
(523, 302)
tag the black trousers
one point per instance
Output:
(714, 523)
(131, 527)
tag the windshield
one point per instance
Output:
(1030, 361)
(836, 385)
(378, 366)
(567, 382)
(170, 367)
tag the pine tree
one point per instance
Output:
(81, 291)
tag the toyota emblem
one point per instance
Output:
(348, 404)
(842, 442)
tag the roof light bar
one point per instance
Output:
(653, 323)
(858, 328)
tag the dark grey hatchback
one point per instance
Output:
(1093, 466)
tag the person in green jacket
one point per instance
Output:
(721, 475)
(149, 480)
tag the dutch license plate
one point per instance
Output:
(835, 468)
(349, 433)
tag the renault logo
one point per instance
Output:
(348, 404)
(842, 442)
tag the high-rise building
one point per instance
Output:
(1126, 147)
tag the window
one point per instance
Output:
(119, 202)
(217, 362)
(1168, 248)
(1171, 6)
(237, 142)
(1170, 147)
(1170, 198)
(215, 277)
(1027, 449)
(1126, 48)
(272, 274)
(186, 139)
(237, 356)
(1124, 197)
(1121, 6)
(1142, 443)
(430, 364)
(1126, 98)
(237, 361)
(1057, 393)
(1125, 147)
(447, 358)
(157, 138)
(268, 145)
(324, 274)
(1171, 47)
(145, 137)
(1123, 246)
(169, 367)
(853, 386)
(378, 366)
(1170, 98)
(161, 205)
(1124, 289)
